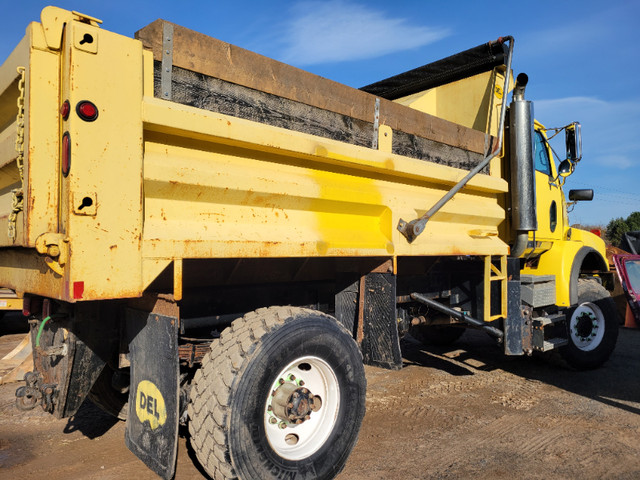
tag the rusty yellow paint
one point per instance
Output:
(177, 279)
(154, 182)
(11, 303)
(101, 198)
(307, 197)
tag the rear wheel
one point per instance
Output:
(593, 327)
(280, 394)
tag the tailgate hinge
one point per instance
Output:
(56, 248)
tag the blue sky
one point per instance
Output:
(582, 58)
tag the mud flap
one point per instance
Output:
(380, 340)
(152, 424)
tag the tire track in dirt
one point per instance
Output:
(425, 400)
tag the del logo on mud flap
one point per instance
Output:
(150, 405)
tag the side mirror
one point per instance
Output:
(585, 194)
(573, 140)
(565, 168)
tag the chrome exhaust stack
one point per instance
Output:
(523, 180)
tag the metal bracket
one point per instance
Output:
(53, 21)
(167, 60)
(376, 124)
(56, 248)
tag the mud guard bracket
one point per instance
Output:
(152, 424)
(377, 325)
(516, 334)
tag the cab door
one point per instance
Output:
(549, 196)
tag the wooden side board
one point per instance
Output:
(200, 53)
(209, 93)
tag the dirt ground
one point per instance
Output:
(464, 411)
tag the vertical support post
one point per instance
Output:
(167, 60)
(486, 281)
(515, 331)
(177, 279)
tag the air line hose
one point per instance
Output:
(40, 329)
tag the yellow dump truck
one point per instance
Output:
(201, 235)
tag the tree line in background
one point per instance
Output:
(617, 227)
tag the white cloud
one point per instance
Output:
(618, 161)
(611, 153)
(609, 128)
(338, 30)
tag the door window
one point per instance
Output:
(541, 157)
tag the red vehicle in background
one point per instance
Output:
(628, 268)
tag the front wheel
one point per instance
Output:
(281, 394)
(593, 327)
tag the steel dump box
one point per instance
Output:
(202, 150)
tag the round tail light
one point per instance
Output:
(87, 111)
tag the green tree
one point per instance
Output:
(633, 221)
(616, 228)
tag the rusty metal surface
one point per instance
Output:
(193, 353)
(153, 182)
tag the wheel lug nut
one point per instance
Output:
(269, 408)
(282, 425)
(301, 382)
(292, 377)
(281, 381)
(273, 420)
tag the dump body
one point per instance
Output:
(153, 182)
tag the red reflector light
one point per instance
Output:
(65, 109)
(596, 231)
(78, 289)
(87, 111)
(31, 305)
(26, 306)
(66, 154)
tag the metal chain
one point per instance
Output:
(17, 201)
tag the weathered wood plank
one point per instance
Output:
(200, 91)
(213, 94)
(203, 54)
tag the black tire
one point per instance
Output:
(436, 334)
(234, 387)
(593, 327)
(107, 398)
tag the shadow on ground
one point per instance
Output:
(90, 421)
(616, 383)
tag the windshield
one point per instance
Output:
(633, 272)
